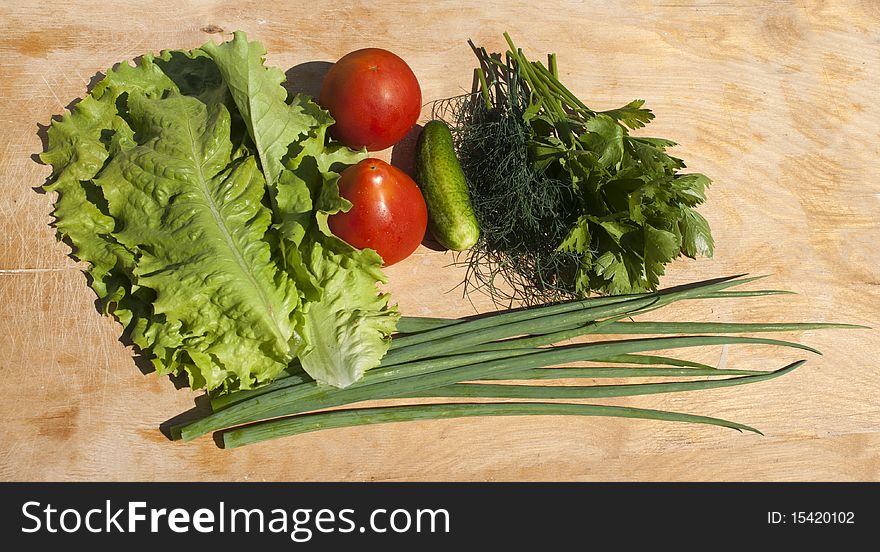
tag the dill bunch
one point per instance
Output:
(523, 212)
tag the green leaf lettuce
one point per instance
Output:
(197, 191)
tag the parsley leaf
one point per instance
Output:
(632, 114)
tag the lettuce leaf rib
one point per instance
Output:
(196, 215)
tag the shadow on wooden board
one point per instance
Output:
(306, 78)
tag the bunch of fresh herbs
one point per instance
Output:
(568, 201)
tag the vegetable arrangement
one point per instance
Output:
(568, 200)
(240, 244)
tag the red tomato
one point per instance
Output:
(388, 213)
(374, 97)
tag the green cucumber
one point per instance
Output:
(450, 213)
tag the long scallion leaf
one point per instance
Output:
(500, 391)
(416, 324)
(738, 293)
(621, 372)
(363, 416)
(711, 327)
(654, 359)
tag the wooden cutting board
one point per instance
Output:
(776, 101)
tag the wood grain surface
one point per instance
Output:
(775, 100)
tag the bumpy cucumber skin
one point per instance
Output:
(451, 216)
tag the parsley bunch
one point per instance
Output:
(568, 200)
